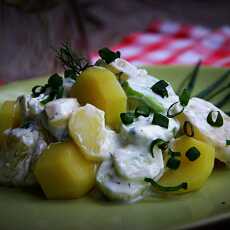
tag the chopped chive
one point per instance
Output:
(171, 108)
(192, 154)
(173, 163)
(69, 73)
(206, 92)
(59, 92)
(160, 88)
(218, 121)
(161, 120)
(174, 154)
(108, 55)
(55, 81)
(37, 90)
(191, 79)
(162, 188)
(49, 98)
(161, 144)
(227, 142)
(184, 97)
(127, 118)
(142, 110)
(188, 129)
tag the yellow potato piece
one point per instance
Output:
(9, 117)
(63, 172)
(87, 129)
(196, 172)
(99, 86)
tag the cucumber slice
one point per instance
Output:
(142, 97)
(115, 187)
(134, 163)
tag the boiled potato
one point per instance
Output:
(9, 117)
(195, 172)
(99, 86)
(63, 172)
(88, 131)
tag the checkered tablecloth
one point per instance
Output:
(167, 42)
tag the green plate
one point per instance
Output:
(28, 209)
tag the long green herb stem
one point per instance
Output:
(190, 80)
(210, 89)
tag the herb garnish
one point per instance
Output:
(219, 119)
(161, 144)
(227, 142)
(127, 118)
(188, 129)
(160, 88)
(192, 154)
(162, 188)
(73, 64)
(142, 110)
(161, 120)
(108, 55)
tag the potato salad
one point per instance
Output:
(112, 128)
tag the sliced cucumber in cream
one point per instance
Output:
(135, 164)
(115, 187)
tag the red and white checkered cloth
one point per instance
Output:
(167, 42)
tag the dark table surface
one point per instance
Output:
(30, 32)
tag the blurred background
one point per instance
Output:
(30, 30)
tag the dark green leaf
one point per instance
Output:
(173, 163)
(142, 110)
(227, 142)
(160, 88)
(55, 81)
(69, 73)
(218, 121)
(162, 188)
(127, 118)
(108, 55)
(192, 154)
(161, 120)
(59, 92)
